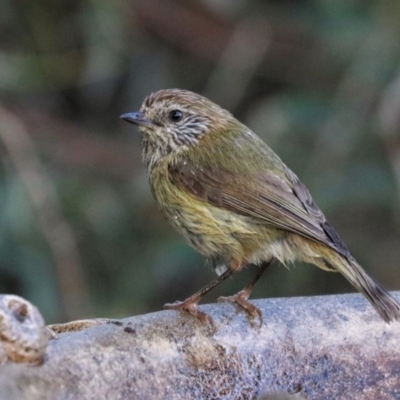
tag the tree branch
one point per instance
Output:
(328, 347)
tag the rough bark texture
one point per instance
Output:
(331, 347)
(23, 335)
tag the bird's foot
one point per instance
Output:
(190, 305)
(241, 299)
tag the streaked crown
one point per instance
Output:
(173, 120)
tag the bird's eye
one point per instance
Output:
(175, 115)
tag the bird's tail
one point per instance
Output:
(383, 302)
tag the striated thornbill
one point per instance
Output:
(234, 200)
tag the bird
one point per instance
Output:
(233, 199)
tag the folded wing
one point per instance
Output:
(283, 203)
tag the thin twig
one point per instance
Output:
(353, 101)
(389, 119)
(238, 63)
(43, 197)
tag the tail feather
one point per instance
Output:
(383, 302)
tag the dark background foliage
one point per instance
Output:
(80, 235)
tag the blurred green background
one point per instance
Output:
(80, 235)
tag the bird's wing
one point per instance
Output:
(285, 204)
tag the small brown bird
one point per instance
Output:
(235, 201)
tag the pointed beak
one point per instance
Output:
(136, 118)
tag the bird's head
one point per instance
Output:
(175, 120)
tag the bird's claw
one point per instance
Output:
(190, 306)
(241, 299)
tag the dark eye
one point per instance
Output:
(175, 115)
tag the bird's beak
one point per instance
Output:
(136, 118)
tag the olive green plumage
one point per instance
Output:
(232, 197)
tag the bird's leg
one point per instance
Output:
(241, 298)
(190, 304)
